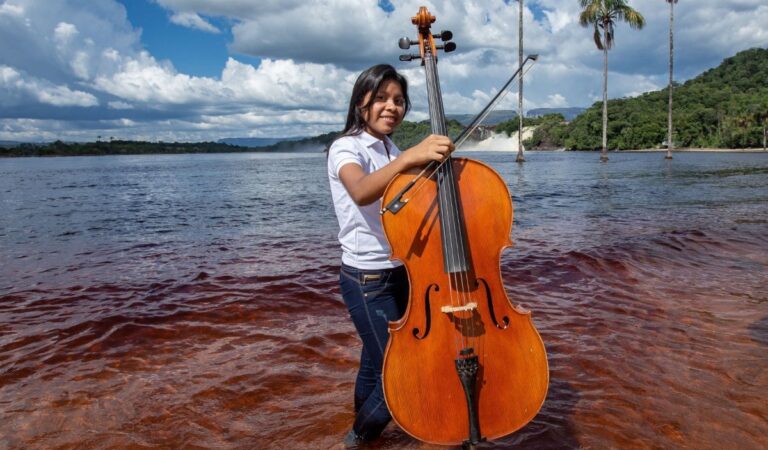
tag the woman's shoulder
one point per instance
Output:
(346, 144)
(347, 140)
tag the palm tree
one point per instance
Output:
(520, 158)
(671, 59)
(603, 14)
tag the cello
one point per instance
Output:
(463, 364)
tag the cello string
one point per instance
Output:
(456, 239)
(462, 278)
(461, 253)
(433, 93)
(454, 242)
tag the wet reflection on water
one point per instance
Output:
(191, 300)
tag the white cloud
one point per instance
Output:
(80, 64)
(555, 101)
(119, 105)
(281, 84)
(70, 53)
(193, 20)
(559, 19)
(142, 79)
(19, 88)
(287, 84)
(243, 9)
(9, 9)
(64, 33)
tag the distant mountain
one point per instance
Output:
(10, 144)
(302, 145)
(494, 117)
(568, 113)
(504, 115)
(255, 142)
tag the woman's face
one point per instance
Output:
(387, 110)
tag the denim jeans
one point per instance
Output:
(374, 298)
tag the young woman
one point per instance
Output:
(375, 289)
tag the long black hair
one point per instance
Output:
(369, 81)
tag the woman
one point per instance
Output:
(361, 162)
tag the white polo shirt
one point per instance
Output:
(363, 244)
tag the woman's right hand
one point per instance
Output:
(433, 148)
(365, 189)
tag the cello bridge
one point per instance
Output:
(471, 306)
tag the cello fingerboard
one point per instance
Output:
(453, 232)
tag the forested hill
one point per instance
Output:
(725, 107)
(407, 135)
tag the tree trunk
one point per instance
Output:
(520, 157)
(604, 153)
(764, 135)
(671, 59)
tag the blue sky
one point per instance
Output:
(191, 51)
(189, 70)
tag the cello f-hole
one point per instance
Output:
(427, 314)
(488, 297)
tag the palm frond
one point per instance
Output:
(633, 18)
(598, 39)
(590, 14)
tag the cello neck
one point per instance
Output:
(434, 96)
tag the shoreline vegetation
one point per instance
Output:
(723, 109)
(126, 148)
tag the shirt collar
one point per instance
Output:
(370, 140)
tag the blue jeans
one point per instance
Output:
(374, 298)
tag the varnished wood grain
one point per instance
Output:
(421, 386)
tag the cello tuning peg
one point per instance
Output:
(405, 43)
(445, 35)
(448, 47)
(409, 57)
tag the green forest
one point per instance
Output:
(118, 147)
(724, 107)
(407, 135)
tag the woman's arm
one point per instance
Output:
(365, 189)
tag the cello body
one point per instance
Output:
(463, 364)
(422, 390)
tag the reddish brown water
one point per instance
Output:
(167, 302)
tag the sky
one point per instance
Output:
(203, 70)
